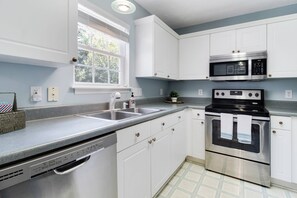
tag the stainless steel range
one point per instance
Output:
(237, 141)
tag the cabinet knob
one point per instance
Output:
(233, 51)
(202, 122)
(137, 134)
(179, 117)
(172, 129)
(74, 59)
(168, 76)
(163, 124)
(154, 139)
(273, 131)
(150, 141)
(281, 123)
(206, 77)
(198, 114)
(155, 74)
(238, 51)
(269, 75)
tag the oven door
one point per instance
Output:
(259, 148)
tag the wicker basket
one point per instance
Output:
(12, 121)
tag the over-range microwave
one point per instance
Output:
(238, 66)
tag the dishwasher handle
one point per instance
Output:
(72, 166)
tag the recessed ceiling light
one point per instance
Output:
(123, 6)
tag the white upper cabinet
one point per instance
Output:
(38, 32)
(156, 49)
(282, 49)
(194, 58)
(251, 39)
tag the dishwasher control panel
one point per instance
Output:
(54, 162)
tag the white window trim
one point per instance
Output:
(91, 88)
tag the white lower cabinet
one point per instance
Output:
(145, 166)
(160, 159)
(134, 175)
(198, 134)
(294, 150)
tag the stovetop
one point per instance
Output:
(238, 101)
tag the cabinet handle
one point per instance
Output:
(163, 124)
(233, 51)
(202, 122)
(137, 134)
(270, 75)
(281, 123)
(74, 59)
(273, 131)
(150, 141)
(154, 139)
(238, 51)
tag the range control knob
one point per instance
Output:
(217, 93)
(257, 95)
(250, 94)
(222, 93)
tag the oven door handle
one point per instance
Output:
(235, 116)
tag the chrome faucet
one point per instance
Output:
(114, 96)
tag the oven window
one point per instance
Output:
(217, 140)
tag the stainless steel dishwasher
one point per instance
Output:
(84, 170)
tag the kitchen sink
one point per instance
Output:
(141, 110)
(113, 115)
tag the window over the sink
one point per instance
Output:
(103, 49)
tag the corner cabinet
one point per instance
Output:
(194, 58)
(41, 33)
(156, 49)
(251, 39)
(282, 48)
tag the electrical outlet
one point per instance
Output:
(200, 92)
(288, 94)
(52, 94)
(137, 92)
(161, 92)
(36, 94)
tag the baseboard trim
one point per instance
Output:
(195, 160)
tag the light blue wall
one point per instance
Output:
(291, 9)
(274, 88)
(19, 78)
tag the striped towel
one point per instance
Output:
(4, 108)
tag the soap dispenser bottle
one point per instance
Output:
(132, 103)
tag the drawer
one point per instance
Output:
(198, 114)
(160, 124)
(132, 135)
(281, 122)
(178, 117)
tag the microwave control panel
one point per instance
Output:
(259, 66)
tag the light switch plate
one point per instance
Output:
(53, 94)
(200, 92)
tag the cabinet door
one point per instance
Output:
(222, 43)
(198, 139)
(172, 57)
(160, 159)
(281, 49)
(281, 154)
(179, 145)
(194, 58)
(252, 39)
(294, 149)
(35, 31)
(134, 171)
(160, 52)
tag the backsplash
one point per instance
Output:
(274, 88)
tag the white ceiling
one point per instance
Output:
(184, 13)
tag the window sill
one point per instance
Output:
(86, 89)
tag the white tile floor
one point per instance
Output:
(193, 181)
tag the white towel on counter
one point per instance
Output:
(226, 126)
(244, 129)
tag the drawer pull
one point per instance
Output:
(198, 114)
(172, 129)
(137, 134)
(281, 123)
(163, 123)
(74, 59)
(154, 139)
(274, 131)
(150, 141)
(202, 122)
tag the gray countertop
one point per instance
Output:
(45, 135)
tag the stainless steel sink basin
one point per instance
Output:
(141, 110)
(113, 115)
